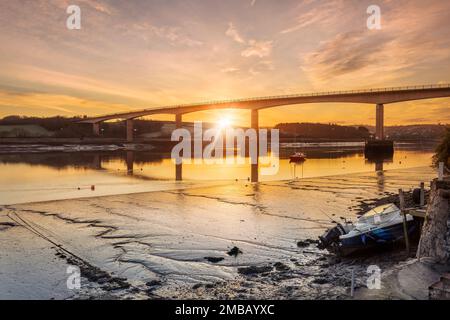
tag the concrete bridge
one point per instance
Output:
(377, 97)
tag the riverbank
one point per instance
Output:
(177, 244)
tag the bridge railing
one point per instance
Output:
(324, 93)
(327, 93)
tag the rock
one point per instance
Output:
(196, 286)
(302, 244)
(8, 224)
(252, 270)
(234, 252)
(281, 266)
(307, 242)
(433, 240)
(214, 259)
(153, 283)
(321, 280)
(102, 280)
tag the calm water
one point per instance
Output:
(50, 176)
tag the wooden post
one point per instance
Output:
(422, 203)
(441, 171)
(405, 221)
(422, 194)
(352, 289)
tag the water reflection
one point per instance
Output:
(44, 176)
(159, 166)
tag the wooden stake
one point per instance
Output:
(405, 221)
(352, 289)
(422, 194)
(441, 171)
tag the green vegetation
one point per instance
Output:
(443, 150)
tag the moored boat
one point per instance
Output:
(379, 226)
(297, 157)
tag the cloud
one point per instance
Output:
(173, 35)
(48, 103)
(259, 49)
(323, 14)
(99, 6)
(234, 34)
(254, 48)
(230, 70)
(412, 39)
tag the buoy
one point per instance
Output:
(92, 187)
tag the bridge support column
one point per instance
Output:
(379, 124)
(97, 163)
(255, 161)
(96, 128)
(130, 130)
(130, 162)
(178, 167)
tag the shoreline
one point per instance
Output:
(197, 184)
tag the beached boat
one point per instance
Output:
(379, 226)
(297, 157)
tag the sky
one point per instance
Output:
(138, 54)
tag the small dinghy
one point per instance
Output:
(381, 225)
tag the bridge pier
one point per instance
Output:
(97, 162)
(130, 130)
(178, 167)
(379, 122)
(255, 161)
(130, 162)
(96, 128)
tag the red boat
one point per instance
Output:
(298, 157)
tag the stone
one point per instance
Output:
(434, 232)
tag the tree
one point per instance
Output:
(443, 150)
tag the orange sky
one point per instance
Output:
(139, 54)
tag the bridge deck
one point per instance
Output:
(372, 96)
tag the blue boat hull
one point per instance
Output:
(376, 237)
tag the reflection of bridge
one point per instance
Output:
(378, 97)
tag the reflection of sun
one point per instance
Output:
(224, 122)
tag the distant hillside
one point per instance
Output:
(320, 130)
(413, 132)
(24, 130)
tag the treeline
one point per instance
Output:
(64, 127)
(319, 130)
(50, 124)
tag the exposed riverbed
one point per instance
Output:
(176, 243)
